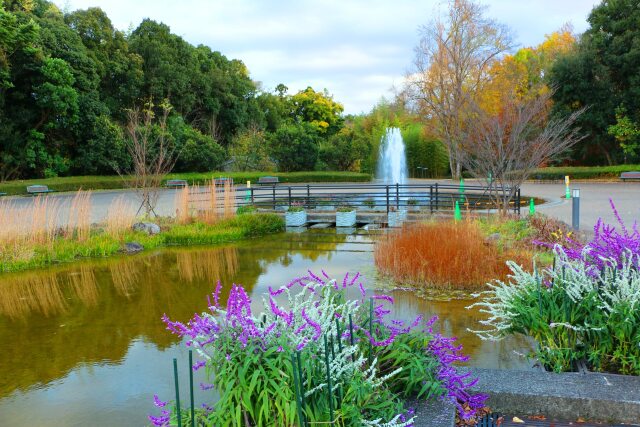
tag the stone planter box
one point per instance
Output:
(395, 219)
(346, 219)
(295, 219)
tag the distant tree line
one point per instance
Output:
(68, 81)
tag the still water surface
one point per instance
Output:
(83, 345)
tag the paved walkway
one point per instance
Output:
(594, 201)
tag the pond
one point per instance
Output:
(83, 344)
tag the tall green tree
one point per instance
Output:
(602, 74)
(295, 147)
(318, 109)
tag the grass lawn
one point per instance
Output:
(74, 183)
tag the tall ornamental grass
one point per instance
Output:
(443, 254)
(372, 365)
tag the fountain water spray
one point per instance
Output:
(392, 161)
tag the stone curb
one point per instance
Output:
(433, 413)
(592, 396)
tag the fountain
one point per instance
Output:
(392, 170)
(392, 161)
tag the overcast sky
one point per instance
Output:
(356, 49)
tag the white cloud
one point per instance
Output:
(357, 49)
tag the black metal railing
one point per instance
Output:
(426, 198)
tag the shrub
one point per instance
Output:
(583, 172)
(573, 310)
(372, 361)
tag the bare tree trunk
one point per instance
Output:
(152, 154)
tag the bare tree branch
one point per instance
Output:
(504, 148)
(153, 154)
(451, 68)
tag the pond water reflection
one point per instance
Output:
(84, 345)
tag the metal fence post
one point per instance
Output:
(274, 197)
(437, 201)
(387, 198)
(431, 198)
(252, 201)
(397, 195)
(308, 196)
(575, 209)
(289, 196)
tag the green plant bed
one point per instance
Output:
(101, 244)
(583, 172)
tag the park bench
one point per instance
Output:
(176, 183)
(630, 175)
(222, 181)
(268, 180)
(38, 189)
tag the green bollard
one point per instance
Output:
(457, 215)
(532, 207)
(462, 190)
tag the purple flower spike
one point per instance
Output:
(162, 420)
(199, 364)
(206, 387)
(159, 403)
(384, 298)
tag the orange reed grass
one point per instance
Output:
(453, 255)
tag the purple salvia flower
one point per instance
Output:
(362, 291)
(384, 298)
(199, 364)
(162, 420)
(216, 294)
(205, 387)
(303, 344)
(316, 278)
(159, 403)
(314, 325)
(354, 279)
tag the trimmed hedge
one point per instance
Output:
(583, 172)
(73, 183)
